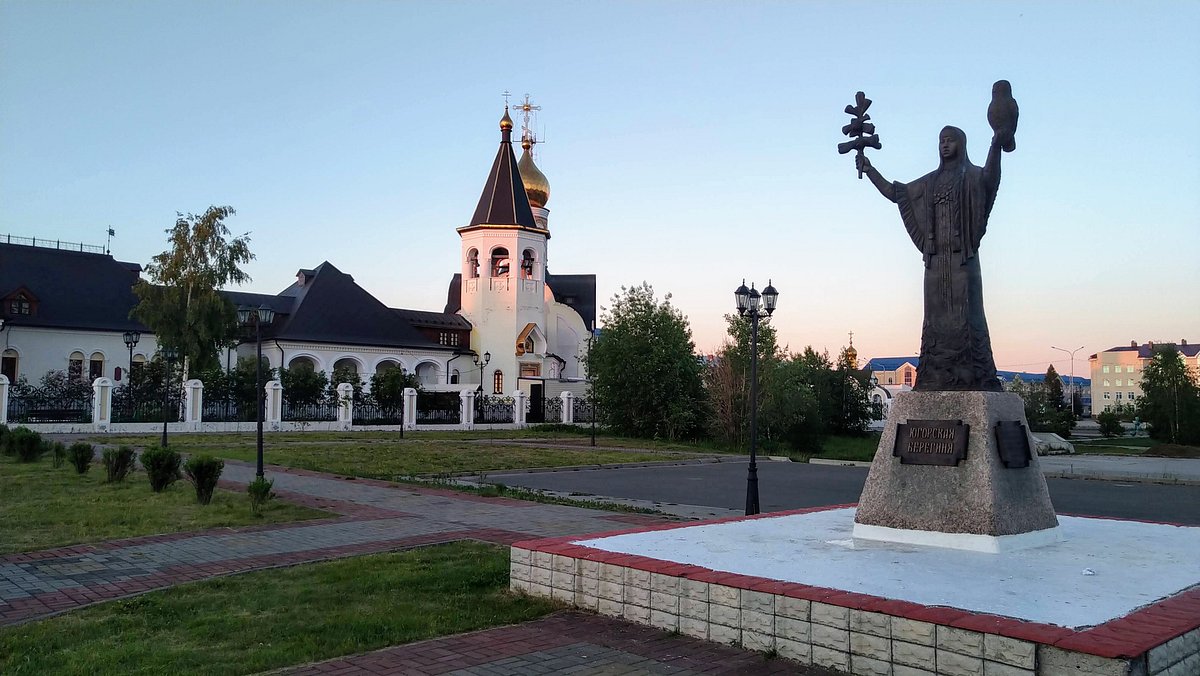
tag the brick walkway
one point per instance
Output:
(374, 516)
(564, 643)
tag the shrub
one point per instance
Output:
(59, 451)
(118, 463)
(3, 439)
(162, 467)
(260, 494)
(25, 444)
(80, 455)
(204, 471)
(1110, 424)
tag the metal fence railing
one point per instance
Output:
(228, 411)
(371, 413)
(42, 409)
(494, 409)
(582, 410)
(126, 410)
(438, 408)
(319, 412)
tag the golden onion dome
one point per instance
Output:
(506, 123)
(537, 187)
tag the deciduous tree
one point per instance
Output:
(646, 376)
(180, 301)
(1170, 400)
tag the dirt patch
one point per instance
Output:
(1174, 451)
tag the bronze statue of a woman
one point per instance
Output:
(946, 215)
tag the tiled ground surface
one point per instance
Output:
(367, 517)
(564, 643)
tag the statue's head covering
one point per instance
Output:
(962, 161)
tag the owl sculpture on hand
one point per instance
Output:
(1002, 115)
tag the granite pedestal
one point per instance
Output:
(978, 504)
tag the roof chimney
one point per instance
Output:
(1133, 343)
(1183, 342)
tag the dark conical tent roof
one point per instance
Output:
(504, 201)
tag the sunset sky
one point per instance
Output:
(688, 144)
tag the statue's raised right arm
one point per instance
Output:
(881, 184)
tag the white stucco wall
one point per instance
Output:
(40, 349)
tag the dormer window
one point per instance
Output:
(20, 304)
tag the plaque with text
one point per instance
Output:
(1013, 444)
(931, 442)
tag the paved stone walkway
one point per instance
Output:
(369, 516)
(564, 643)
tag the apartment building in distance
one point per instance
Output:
(1117, 372)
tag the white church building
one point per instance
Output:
(533, 326)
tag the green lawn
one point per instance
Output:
(43, 507)
(384, 455)
(848, 448)
(277, 618)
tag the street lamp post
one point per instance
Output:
(487, 356)
(131, 339)
(748, 303)
(169, 354)
(1073, 386)
(257, 317)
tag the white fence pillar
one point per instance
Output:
(410, 408)
(193, 407)
(345, 405)
(466, 399)
(102, 403)
(273, 415)
(519, 408)
(3, 399)
(568, 407)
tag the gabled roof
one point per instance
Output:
(504, 201)
(434, 320)
(74, 289)
(890, 363)
(330, 308)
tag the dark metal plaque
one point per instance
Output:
(1013, 444)
(931, 442)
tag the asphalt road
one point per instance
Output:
(789, 485)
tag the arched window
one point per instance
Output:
(472, 263)
(385, 366)
(428, 373)
(95, 366)
(527, 261)
(454, 377)
(305, 364)
(498, 382)
(499, 262)
(75, 366)
(346, 364)
(8, 364)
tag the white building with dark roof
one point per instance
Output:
(68, 307)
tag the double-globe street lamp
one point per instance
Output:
(487, 356)
(169, 354)
(753, 304)
(131, 339)
(257, 317)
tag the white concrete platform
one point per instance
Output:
(1102, 569)
(1112, 598)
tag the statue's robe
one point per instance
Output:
(946, 214)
